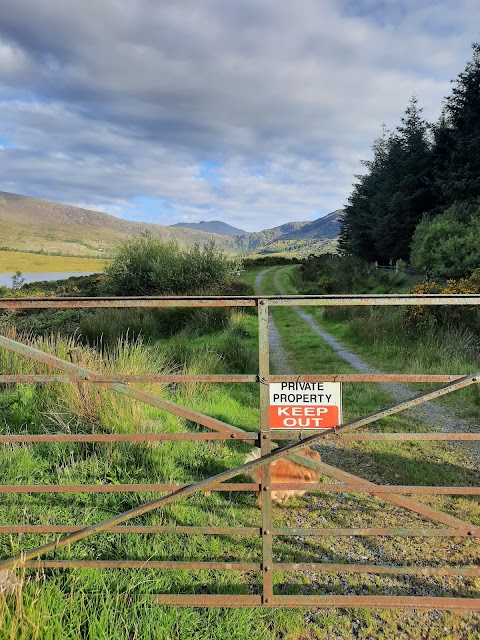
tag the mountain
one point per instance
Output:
(40, 225)
(295, 238)
(35, 224)
(212, 226)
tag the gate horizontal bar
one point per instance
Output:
(473, 532)
(128, 301)
(325, 567)
(248, 437)
(136, 529)
(227, 378)
(143, 564)
(363, 377)
(237, 301)
(180, 378)
(377, 300)
(298, 434)
(242, 486)
(116, 488)
(372, 602)
(367, 437)
(122, 437)
(378, 488)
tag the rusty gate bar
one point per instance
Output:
(232, 301)
(265, 496)
(248, 437)
(377, 437)
(123, 437)
(318, 602)
(338, 377)
(313, 487)
(353, 484)
(472, 532)
(8, 379)
(465, 572)
(211, 482)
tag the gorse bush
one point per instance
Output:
(428, 317)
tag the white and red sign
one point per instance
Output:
(305, 405)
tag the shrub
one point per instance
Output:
(447, 246)
(146, 266)
(427, 317)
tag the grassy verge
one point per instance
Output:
(12, 261)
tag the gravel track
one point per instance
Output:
(431, 414)
(278, 355)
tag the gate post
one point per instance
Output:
(266, 447)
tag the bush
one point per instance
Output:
(332, 274)
(428, 317)
(146, 266)
(448, 246)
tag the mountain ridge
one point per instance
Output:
(34, 224)
(212, 226)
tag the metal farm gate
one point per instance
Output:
(270, 451)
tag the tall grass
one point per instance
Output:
(85, 406)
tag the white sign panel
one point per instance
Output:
(305, 405)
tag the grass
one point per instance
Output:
(81, 603)
(12, 261)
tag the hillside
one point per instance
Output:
(212, 226)
(296, 238)
(34, 224)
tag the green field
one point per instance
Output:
(12, 261)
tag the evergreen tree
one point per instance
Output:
(408, 194)
(388, 203)
(458, 177)
(358, 226)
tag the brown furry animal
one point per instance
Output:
(285, 471)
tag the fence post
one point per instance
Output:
(266, 447)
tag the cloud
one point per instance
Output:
(105, 103)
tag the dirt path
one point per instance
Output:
(278, 355)
(431, 414)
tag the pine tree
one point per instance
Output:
(459, 178)
(408, 193)
(388, 203)
(358, 226)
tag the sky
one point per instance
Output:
(254, 112)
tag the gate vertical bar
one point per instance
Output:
(266, 447)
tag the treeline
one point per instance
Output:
(419, 200)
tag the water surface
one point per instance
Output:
(6, 278)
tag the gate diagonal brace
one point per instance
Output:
(211, 482)
(137, 394)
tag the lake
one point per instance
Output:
(6, 278)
